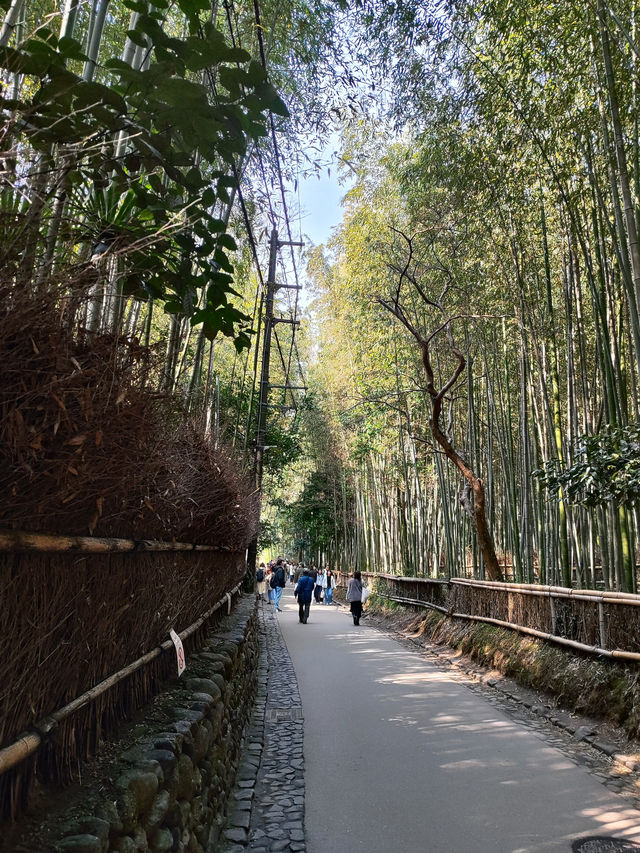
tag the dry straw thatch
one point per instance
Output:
(88, 447)
(75, 620)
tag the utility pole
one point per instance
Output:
(263, 398)
(266, 358)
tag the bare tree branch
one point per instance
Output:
(472, 497)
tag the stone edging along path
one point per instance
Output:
(163, 784)
(266, 809)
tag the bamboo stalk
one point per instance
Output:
(19, 540)
(10, 22)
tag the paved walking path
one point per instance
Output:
(400, 755)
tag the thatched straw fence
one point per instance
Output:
(75, 612)
(95, 462)
(606, 624)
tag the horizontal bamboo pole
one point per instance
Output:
(28, 743)
(563, 641)
(542, 635)
(585, 596)
(607, 596)
(20, 540)
(557, 591)
(417, 602)
(435, 581)
(18, 751)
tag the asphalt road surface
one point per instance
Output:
(402, 757)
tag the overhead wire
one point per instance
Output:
(236, 42)
(286, 365)
(275, 218)
(257, 311)
(276, 149)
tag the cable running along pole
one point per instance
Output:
(263, 399)
(252, 551)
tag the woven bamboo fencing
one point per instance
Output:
(601, 623)
(120, 519)
(75, 611)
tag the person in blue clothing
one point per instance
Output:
(304, 592)
(278, 582)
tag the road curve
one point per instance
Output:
(402, 757)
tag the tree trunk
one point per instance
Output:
(476, 508)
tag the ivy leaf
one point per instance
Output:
(271, 100)
(227, 242)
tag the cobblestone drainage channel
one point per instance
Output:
(599, 844)
(266, 808)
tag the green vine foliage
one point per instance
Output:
(155, 204)
(606, 468)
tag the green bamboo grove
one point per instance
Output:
(472, 337)
(497, 209)
(144, 152)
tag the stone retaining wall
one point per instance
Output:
(169, 791)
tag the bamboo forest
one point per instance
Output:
(491, 170)
(463, 349)
(342, 295)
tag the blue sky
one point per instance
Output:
(320, 205)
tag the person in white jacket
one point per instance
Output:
(321, 584)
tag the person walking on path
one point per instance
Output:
(331, 585)
(278, 583)
(354, 596)
(261, 581)
(321, 583)
(267, 578)
(304, 592)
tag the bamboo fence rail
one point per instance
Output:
(29, 742)
(20, 540)
(85, 622)
(605, 624)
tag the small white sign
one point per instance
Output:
(177, 642)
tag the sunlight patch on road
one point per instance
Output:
(468, 763)
(404, 721)
(478, 726)
(624, 823)
(414, 678)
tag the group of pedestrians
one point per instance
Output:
(324, 582)
(272, 579)
(316, 584)
(312, 585)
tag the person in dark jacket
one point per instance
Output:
(278, 582)
(303, 592)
